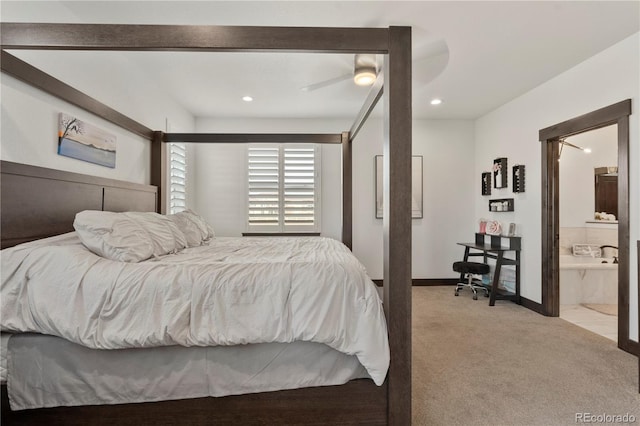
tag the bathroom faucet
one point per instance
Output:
(615, 258)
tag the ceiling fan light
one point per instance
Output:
(365, 76)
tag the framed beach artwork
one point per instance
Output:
(416, 187)
(82, 141)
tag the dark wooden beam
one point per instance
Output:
(347, 191)
(369, 104)
(159, 170)
(43, 81)
(44, 36)
(253, 137)
(590, 121)
(397, 221)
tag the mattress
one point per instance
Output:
(47, 371)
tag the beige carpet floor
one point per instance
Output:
(506, 365)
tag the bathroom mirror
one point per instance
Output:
(606, 190)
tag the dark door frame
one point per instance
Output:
(617, 113)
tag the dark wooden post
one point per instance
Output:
(550, 231)
(624, 236)
(347, 191)
(159, 170)
(397, 221)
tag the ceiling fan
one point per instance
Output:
(365, 72)
(430, 61)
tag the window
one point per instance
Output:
(283, 187)
(177, 177)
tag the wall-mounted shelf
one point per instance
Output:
(501, 205)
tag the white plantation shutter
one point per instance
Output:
(299, 187)
(264, 188)
(177, 177)
(283, 188)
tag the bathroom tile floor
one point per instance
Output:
(594, 321)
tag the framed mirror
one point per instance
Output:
(606, 190)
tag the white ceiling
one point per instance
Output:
(474, 55)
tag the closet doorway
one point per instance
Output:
(550, 138)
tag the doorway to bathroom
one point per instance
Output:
(588, 204)
(554, 139)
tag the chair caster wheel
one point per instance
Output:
(475, 297)
(486, 295)
(456, 293)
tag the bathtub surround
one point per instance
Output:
(586, 280)
(593, 235)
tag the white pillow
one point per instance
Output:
(128, 237)
(196, 230)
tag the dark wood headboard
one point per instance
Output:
(37, 202)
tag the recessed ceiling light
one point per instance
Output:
(247, 98)
(587, 150)
(436, 101)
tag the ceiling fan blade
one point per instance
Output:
(427, 69)
(326, 83)
(430, 61)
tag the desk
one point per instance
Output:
(497, 253)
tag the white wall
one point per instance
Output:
(448, 182)
(221, 172)
(29, 135)
(447, 148)
(512, 131)
(30, 127)
(577, 191)
(30, 117)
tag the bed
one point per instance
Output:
(36, 214)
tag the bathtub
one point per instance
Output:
(588, 280)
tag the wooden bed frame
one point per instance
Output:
(357, 402)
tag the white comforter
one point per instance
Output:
(233, 291)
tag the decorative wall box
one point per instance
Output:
(501, 205)
(486, 183)
(518, 178)
(500, 171)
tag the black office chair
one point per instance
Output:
(470, 268)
